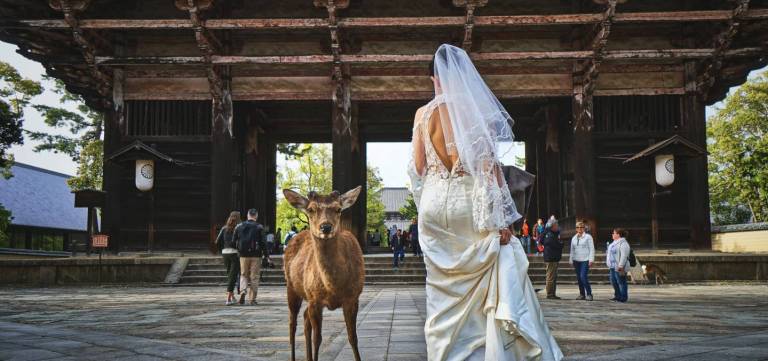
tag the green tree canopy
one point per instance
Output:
(738, 155)
(16, 93)
(84, 144)
(409, 209)
(313, 171)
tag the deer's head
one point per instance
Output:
(324, 211)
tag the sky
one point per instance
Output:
(390, 158)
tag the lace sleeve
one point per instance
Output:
(492, 204)
(418, 165)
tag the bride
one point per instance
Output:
(480, 302)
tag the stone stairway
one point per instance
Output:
(378, 271)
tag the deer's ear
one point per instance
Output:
(296, 200)
(349, 198)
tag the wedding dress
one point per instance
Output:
(480, 302)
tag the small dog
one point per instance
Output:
(658, 273)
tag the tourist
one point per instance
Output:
(377, 238)
(582, 257)
(249, 238)
(525, 238)
(229, 253)
(278, 240)
(538, 232)
(414, 231)
(288, 236)
(394, 244)
(617, 259)
(270, 241)
(553, 253)
(480, 303)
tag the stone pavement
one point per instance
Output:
(705, 321)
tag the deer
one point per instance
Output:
(324, 266)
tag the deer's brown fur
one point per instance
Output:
(323, 267)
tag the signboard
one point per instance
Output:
(99, 241)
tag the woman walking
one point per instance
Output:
(582, 256)
(617, 259)
(229, 253)
(480, 302)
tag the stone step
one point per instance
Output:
(222, 272)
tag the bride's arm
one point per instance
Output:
(419, 155)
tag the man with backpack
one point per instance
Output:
(249, 238)
(619, 258)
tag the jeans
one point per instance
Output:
(526, 242)
(582, 275)
(399, 255)
(619, 283)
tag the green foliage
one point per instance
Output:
(738, 159)
(5, 222)
(375, 211)
(409, 209)
(83, 145)
(315, 173)
(15, 94)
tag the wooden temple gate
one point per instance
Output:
(216, 85)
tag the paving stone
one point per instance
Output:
(29, 354)
(725, 320)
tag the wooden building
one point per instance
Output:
(216, 84)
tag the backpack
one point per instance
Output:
(250, 244)
(632, 259)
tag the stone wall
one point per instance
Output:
(49, 272)
(733, 267)
(741, 238)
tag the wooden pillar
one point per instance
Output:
(698, 175)
(111, 212)
(264, 176)
(584, 163)
(222, 156)
(695, 129)
(531, 162)
(349, 170)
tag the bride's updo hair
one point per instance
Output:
(432, 66)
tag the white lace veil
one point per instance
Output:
(474, 121)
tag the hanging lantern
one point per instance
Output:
(665, 169)
(145, 174)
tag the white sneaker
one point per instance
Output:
(229, 303)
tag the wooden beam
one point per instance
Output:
(384, 22)
(87, 49)
(589, 70)
(208, 46)
(722, 42)
(469, 19)
(422, 58)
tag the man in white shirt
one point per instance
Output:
(582, 257)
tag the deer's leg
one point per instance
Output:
(316, 317)
(294, 306)
(308, 332)
(350, 318)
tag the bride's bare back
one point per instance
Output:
(436, 137)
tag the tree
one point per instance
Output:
(375, 210)
(314, 172)
(408, 211)
(84, 145)
(16, 93)
(738, 159)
